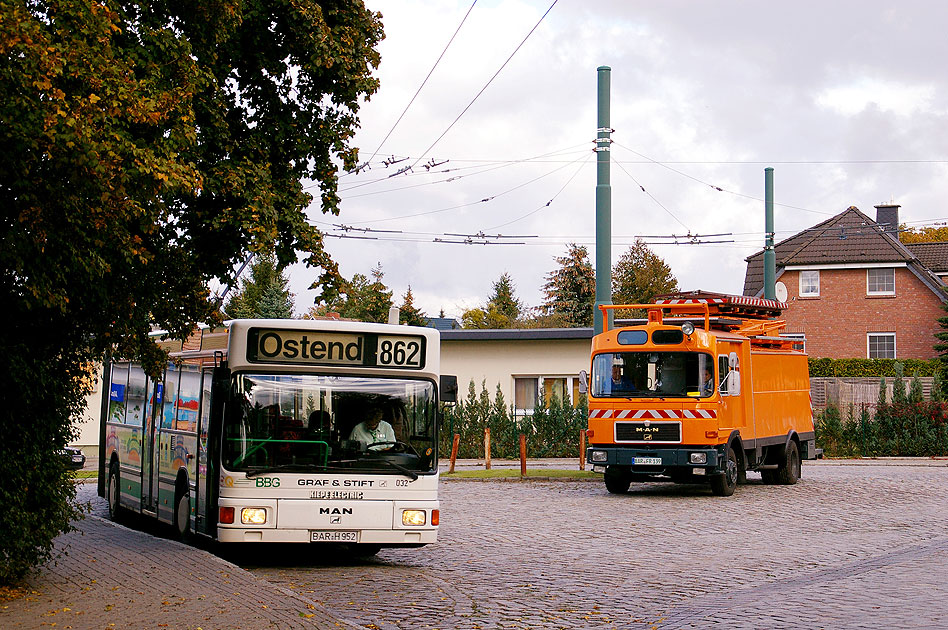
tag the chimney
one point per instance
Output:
(887, 215)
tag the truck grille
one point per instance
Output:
(648, 431)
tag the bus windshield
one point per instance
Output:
(317, 423)
(652, 374)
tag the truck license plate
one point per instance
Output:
(334, 536)
(647, 461)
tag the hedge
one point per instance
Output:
(872, 367)
(552, 430)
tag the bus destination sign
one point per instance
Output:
(309, 347)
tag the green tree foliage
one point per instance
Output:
(145, 148)
(503, 308)
(362, 299)
(640, 275)
(264, 295)
(410, 314)
(570, 290)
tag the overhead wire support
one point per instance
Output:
(498, 236)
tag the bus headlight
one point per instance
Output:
(599, 456)
(698, 458)
(414, 518)
(253, 516)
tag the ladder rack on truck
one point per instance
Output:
(706, 394)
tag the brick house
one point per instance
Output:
(855, 291)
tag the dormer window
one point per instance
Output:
(880, 281)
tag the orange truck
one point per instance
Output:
(703, 391)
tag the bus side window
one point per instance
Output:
(723, 369)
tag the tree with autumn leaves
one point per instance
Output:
(145, 150)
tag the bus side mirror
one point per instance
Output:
(449, 388)
(583, 382)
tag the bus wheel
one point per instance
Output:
(789, 471)
(616, 483)
(724, 485)
(112, 493)
(182, 515)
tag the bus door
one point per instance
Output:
(201, 472)
(732, 402)
(152, 414)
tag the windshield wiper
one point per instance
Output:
(405, 471)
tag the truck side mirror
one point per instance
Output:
(734, 383)
(583, 382)
(449, 388)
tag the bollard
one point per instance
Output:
(454, 451)
(523, 455)
(487, 448)
(582, 449)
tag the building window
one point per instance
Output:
(880, 281)
(525, 394)
(809, 283)
(881, 345)
(527, 391)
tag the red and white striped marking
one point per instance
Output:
(637, 414)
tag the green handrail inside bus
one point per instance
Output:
(263, 442)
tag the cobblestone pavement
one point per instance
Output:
(848, 547)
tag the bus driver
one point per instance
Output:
(374, 430)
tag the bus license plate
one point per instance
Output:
(647, 461)
(334, 536)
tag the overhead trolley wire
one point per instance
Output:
(418, 91)
(476, 96)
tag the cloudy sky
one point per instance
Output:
(846, 100)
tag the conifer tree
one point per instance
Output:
(410, 314)
(265, 294)
(570, 290)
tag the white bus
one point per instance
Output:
(258, 441)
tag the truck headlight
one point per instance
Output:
(253, 516)
(599, 456)
(698, 458)
(414, 518)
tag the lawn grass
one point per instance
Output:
(497, 473)
(85, 474)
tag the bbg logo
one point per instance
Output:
(268, 482)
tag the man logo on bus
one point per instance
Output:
(335, 510)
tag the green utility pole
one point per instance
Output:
(603, 203)
(770, 257)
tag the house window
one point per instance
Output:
(525, 394)
(880, 281)
(881, 345)
(527, 391)
(809, 283)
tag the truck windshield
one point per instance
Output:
(652, 374)
(313, 423)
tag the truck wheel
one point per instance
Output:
(724, 485)
(182, 515)
(769, 477)
(789, 471)
(616, 483)
(112, 493)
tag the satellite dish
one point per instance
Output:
(780, 292)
